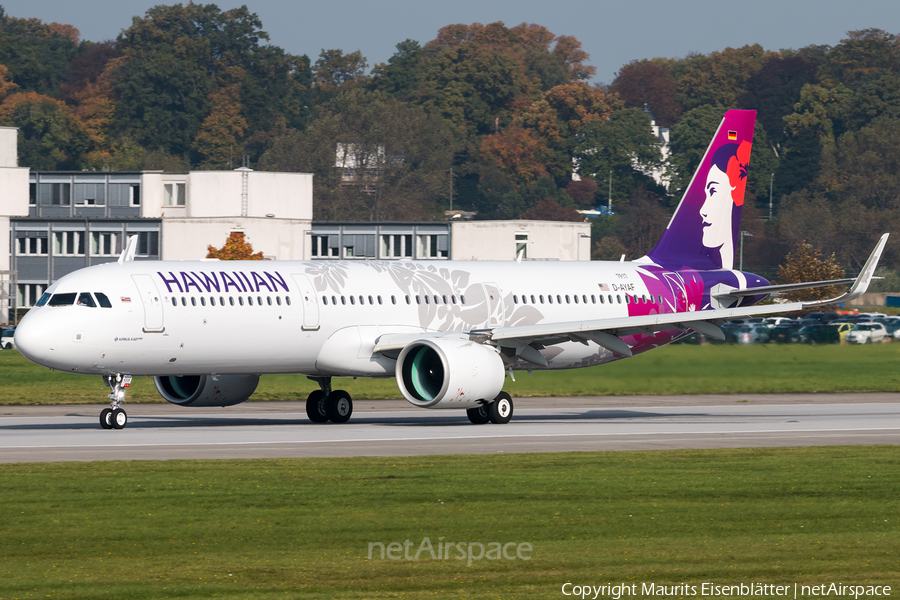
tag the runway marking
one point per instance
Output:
(449, 438)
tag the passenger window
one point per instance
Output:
(183, 301)
(542, 298)
(594, 299)
(462, 299)
(379, 300)
(418, 300)
(84, 299)
(287, 300)
(601, 298)
(393, 300)
(362, 300)
(104, 301)
(426, 298)
(343, 301)
(444, 298)
(532, 299)
(278, 300)
(619, 298)
(249, 300)
(231, 300)
(610, 299)
(174, 301)
(241, 300)
(583, 299)
(212, 300)
(453, 298)
(407, 299)
(259, 300)
(202, 301)
(515, 299)
(558, 299)
(575, 298)
(567, 299)
(221, 301)
(370, 300)
(549, 299)
(627, 299)
(193, 301)
(269, 300)
(333, 300)
(353, 300)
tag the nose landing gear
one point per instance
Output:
(115, 417)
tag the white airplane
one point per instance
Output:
(448, 331)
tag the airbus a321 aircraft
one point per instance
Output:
(448, 331)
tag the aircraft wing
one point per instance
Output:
(608, 332)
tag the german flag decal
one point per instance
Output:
(732, 135)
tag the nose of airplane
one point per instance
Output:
(34, 338)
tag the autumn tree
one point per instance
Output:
(51, 137)
(649, 83)
(549, 209)
(334, 69)
(806, 264)
(235, 248)
(221, 136)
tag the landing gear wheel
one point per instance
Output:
(501, 409)
(315, 407)
(106, 418)
(339, 406)
(479, 415)
(119, 419)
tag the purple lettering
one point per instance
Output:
(207, 281)
(276, 280)
(168, 281)
(249, 285)
(188, 282)
(227, 281)
(259, 281)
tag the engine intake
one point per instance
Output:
(449, 373)
(202, 390)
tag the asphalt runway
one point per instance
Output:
(394, 428)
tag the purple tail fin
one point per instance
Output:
(704, 229)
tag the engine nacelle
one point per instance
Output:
(202, 390)
(449, 373)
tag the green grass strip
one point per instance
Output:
(681, 369)
(302, 527)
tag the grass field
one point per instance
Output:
(302, 527)
(680, 369)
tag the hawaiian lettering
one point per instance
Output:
(170, 281)
(259, 282)
(228, 282)
(188, 281)
(209, 281)
(277, 280)
(236, 281)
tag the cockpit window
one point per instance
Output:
(85, 299)
(67, 299)
(43, 299)
(103, 300)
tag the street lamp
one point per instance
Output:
(743, 235)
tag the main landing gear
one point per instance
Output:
(114, 417)
(499, 411)
(325, 404)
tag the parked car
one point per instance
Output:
(841, 328)
(7, 341)
(823, 316)
(751, 334)
(786, 333)
(866, 333)
(891, 325)
(773, 321)
(823, 333)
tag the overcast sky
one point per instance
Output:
(613, 32)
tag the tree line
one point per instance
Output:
(486, 118)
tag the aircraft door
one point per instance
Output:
(494, 304)
(309, 301)
(150, 299)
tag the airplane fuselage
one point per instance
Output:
(323, 318)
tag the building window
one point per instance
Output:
(55, 194)
(32, 244)
(90, 194)
(521, 246)
(134, 194)
(28, 293)
(68, 243)
(32, 194)
(173, 194)
(434, 246)
(148, 243)
(105, 244)
(359, 245)
(326, 245)
(396, 246)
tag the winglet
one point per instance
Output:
(861, 284)
(130, 250)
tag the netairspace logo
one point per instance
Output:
(619, 590)
(468, 551)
